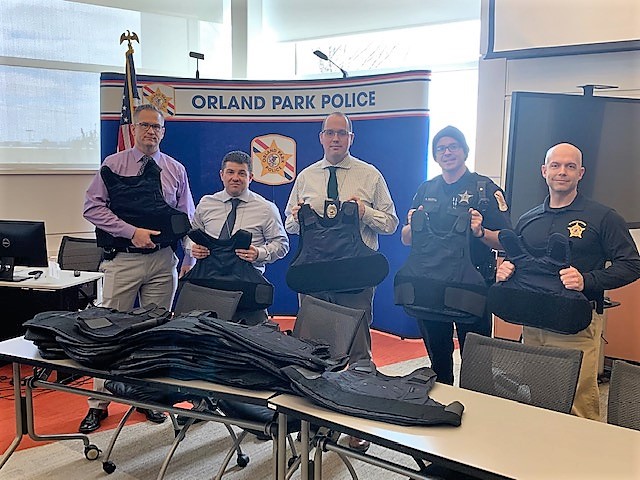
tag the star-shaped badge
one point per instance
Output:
(465, 197)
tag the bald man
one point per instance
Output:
(597, 234)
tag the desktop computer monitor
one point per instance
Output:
(21, 243)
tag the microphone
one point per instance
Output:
(198, 57)
(323, 56)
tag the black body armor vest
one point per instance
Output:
(331, 255)
(438, 280)
(534, 296)
(364, 392)
(223, 270)
(139, 201)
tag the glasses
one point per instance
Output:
(453, 148)
(155, 126)
(332, 133)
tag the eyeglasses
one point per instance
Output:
(453, 148)
(155, 126)
(332, 133)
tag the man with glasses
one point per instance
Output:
(341, 177)
(142, 269)
(445, 198)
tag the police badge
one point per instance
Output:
(331, 208)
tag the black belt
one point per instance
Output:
(143, 251)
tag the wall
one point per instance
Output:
(498, 78)
(56, 199)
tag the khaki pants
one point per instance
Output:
(587, 400)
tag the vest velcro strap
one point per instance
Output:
(465, 300)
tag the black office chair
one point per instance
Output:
(81, 254)
(623, 407)
(540, 376)
(317, 320)
(195, 297)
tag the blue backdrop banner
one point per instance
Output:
(278, 122)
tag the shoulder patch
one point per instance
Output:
(502, 203)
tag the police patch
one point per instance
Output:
(274, 159)
(576, 228)
(160, 96)
(502, 203)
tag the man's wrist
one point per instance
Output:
(481, 233)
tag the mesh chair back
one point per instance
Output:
(334, 324)
(541, 376)
(79, 254)
(623, 407)
(196, 297)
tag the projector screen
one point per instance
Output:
(605, 129)
(528, 28)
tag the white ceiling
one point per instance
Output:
(206, 10)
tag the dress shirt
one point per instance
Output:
(355, 179)
(175, 190)
(255, 214)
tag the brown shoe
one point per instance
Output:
(358, 444)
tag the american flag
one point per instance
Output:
(130, 100)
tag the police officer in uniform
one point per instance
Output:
(444, 198)
(597, 234)
(143, 269)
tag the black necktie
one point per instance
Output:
(227, 228)
(332, 185)
(143, 163)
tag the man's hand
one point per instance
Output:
(572, 279)
(294, 211)
(410, 213)
(142, 238)
(199, 252)
(249, 255)
(476, 223)
(184, 269)
(360, 205)
(505, 270)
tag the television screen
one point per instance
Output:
(605, 129)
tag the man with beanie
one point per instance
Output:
(456, 192)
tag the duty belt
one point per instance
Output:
(144, 251)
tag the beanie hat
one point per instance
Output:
(453, 132)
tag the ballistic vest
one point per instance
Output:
(138, 200)
(361, 391)
(534, 295)
(331, 255)
(438, 280)
(223, 270)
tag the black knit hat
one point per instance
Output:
(453, 132)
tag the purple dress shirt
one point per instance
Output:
(175, 190)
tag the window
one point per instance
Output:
(52, 53)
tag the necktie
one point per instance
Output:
(332, 184)
(143, 163)
(227, 228)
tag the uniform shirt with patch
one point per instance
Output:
(596, 233)
(445, 201)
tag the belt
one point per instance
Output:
(143, 251)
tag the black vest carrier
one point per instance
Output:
(139, 201)
(362, 391)
(438, 280)
(331, 255)
(534, 296)
(223, 270)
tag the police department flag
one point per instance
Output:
(130, 99)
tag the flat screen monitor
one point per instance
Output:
(22, 243)
(605, 129)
